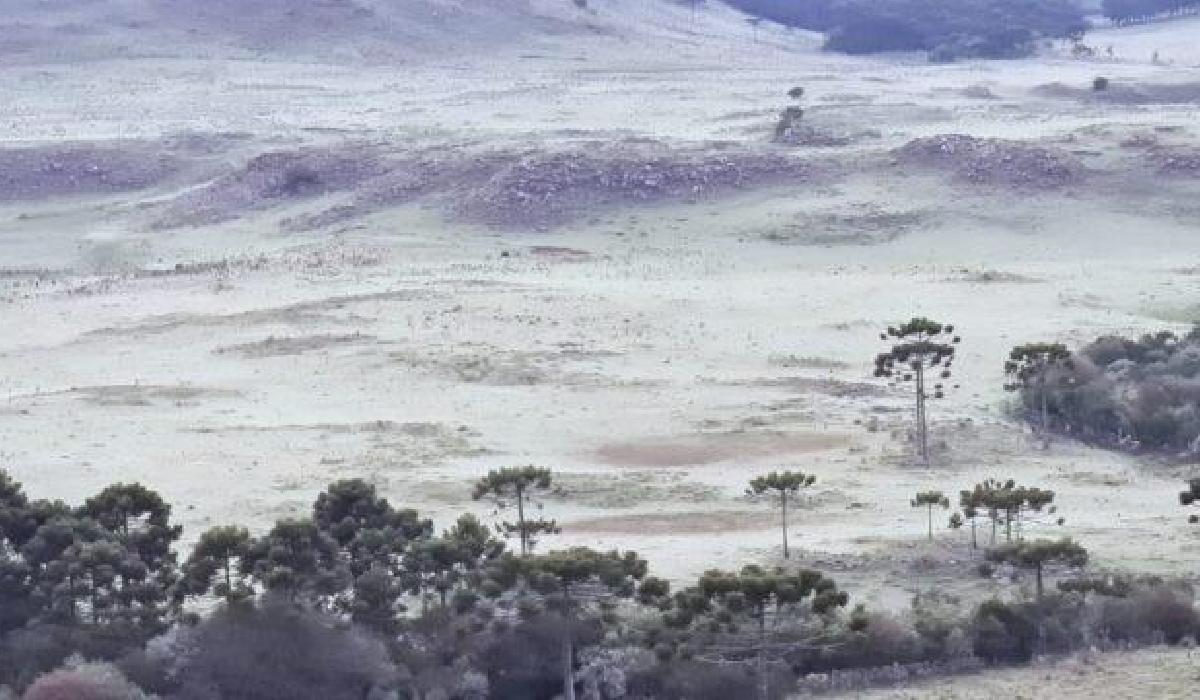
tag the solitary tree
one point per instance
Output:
(928, 500)
(781, 485)
(1192, 495)
(922, 347)
(1030, 369)
(519, 484)
(1038, 554)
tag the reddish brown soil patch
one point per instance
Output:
(710, 448)
(694, 523)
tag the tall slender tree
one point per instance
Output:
(520, 484)
(1031, 369)
(781, 485)
(921, 348)
(929, 500)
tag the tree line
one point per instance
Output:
(1134, 11)
(946, 30)
(363, 599)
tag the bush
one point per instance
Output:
(277, 651)
(84, 682)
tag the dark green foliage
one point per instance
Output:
(279, 652)
(216, 564)
(1138, 395)
(946, 30)
(297, 559)
(1033, 369)
(1037, 555)
(519, 484)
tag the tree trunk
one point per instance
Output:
(930, 508)
(974, 539)
(521, 522)
(922, 424)
(1045, 413)
(764, 688)
(568, 668)
(785, 542)
(1039, 580)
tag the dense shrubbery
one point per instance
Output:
(1130, 11)
(365, 601)
(1139, 394)
(947, 30)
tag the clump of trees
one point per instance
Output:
(1135, 394)
(946, 30)
(325, 606)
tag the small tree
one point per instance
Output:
(781, 485)
(216, 564)
(1038, 554)
(928, 500)
(922, 347)
(520, 484)
(1191, 496)
(970, 502)
(1030, 369)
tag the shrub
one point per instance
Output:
(84, 682)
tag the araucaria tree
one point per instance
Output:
(929, 500)
(1191, 496)
(781, 485)
(922, 348)
(1038, 554)
(1031, 369)
(519, 484)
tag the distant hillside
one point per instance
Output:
(372, 29)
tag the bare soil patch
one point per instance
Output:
(711, 448)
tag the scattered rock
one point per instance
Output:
(993, 161)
